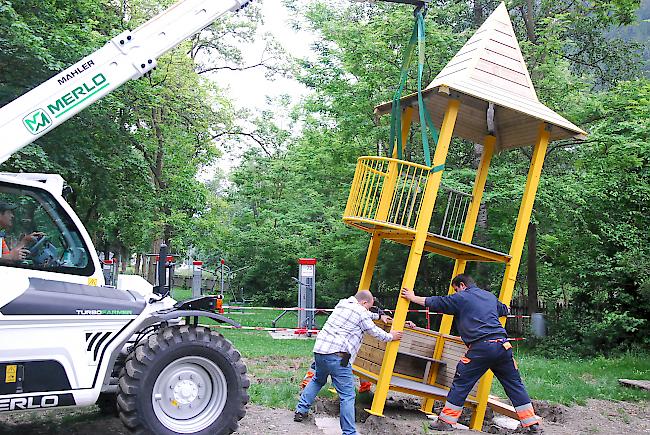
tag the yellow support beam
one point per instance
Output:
(415, 254)
(384, 206)
(468, 233)
(516, 248)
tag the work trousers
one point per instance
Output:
(344, 383)
(495, 355)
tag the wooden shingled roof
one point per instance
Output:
(491, 69)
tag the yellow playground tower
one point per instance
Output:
(484, 95)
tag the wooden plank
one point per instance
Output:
(367, 365)
(426, 358)
(375, 356)
(417, 349)
(502, 408)
(643, 384)
(490, 80)
(372, 341)
(500, 67)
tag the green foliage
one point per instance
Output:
(134, 158)
(286, 199)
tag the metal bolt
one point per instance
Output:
(142, 65)
(122, 41)
(128, 37)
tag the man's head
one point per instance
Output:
(365, 299)
(462, 282)
(6, 214)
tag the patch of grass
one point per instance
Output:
(574, 380)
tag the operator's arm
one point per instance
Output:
(502, 309)
(444, 304)
(29, 239)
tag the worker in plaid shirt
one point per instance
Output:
(336, 347)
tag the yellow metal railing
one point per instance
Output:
(387, 190)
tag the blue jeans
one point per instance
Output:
(343, 380)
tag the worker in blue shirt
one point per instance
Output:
(477, 315)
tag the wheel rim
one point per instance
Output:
(189, 394)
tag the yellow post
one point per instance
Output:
(468, 233)
(415, 255)
(516, 247)
(384, 205)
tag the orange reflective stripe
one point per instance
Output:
(526, 413)
(455, 414)
(5, 248)
(465, 360)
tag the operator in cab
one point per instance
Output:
(20, 251)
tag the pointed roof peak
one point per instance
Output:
(491, 58)
(490, 69)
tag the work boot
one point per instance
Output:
(299, 416)
(533, 428)
(441, 425)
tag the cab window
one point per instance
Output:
(38, 234)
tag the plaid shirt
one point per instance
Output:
(345, 327)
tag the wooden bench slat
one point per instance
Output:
(414, 355)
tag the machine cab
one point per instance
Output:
(41, 236)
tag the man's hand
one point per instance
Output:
(386, 319)
(29, 239)
(18, 254)
(397, 335)
(408, 294)
(409, 324)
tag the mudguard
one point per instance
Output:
(174, 314)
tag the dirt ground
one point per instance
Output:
(401, 417)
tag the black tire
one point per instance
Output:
(107, 404)
(154, 363)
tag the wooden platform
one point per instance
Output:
(423, 390)
(435, 243)
(643, 384)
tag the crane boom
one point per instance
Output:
(129, 55)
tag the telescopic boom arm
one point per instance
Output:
(127, 56)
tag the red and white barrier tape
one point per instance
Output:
(261, 328)
(296, 331)
(239, 307)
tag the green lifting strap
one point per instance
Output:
(396, 113)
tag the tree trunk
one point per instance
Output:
(478, 13)
(124, 258)
(151, 270)
(532, 268)
(138, 263)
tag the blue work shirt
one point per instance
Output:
(477, 313)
